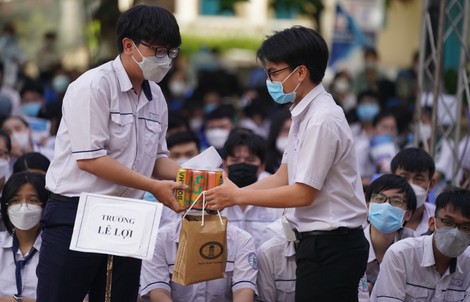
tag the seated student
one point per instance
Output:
(5, 151)
(391, 203)
(244, 162)
(183, 146)
(434, 267)
(276, 268)
(23, 200)
(417, 167)
(239, 284)
(32, 162)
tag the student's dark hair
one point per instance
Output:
(6, 138)
(31, 160)
(151, 24)
(177, 120)
(182, 137)
(18, 118)
(370, 94)
(413, 160)
(245, 137)
(297, 46)
(390, 182)
(382, 115)
(222, 111)
(457, 199)
(11, 187)
(32, 86)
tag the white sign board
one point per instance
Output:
(116, 226)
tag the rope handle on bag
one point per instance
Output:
(203, 194)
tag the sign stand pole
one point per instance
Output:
(109, 278)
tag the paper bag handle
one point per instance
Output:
(203, 194)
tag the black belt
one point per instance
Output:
(338, 231)
(64, 198)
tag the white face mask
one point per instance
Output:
(177, 88)
(24, 217)
(153, 68)
(21, 138)
(451, 242)
(195, 124)
(281, 143)
(425, 131)
(421, 195)
(4, 167)
(217, 137)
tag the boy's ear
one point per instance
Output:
(432, 223)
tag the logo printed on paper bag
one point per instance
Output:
(211, 250)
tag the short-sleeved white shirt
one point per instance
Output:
(8, 268)
(320, 153)
(241, 269)
(102, 115)
(408, 273)
(423, 226)
(253, 219)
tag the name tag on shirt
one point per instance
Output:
(116, 226)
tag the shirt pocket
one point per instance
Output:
(417, 294)
(153, 131)
(120, 130)
(285, 290)
(453, 295)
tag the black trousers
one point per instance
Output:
(329, 267)
(66, 275)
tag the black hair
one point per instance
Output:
(297, 46)
(152, 24)
(382, 115)
(182, 137)
(177, 120)
(31, 160)
(458, 199)
(370, 94)
(413, 160)
(32, 86)
(18, 118)
(222, 111)
(274, 156)
(390, 182)
(245, 137)
(11, 187)
(7, 139)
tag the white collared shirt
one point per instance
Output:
(8, 268)
(408, 273)
(241, 268)
(253, 219)
(102, 115)
(423, 226)
(320, 153)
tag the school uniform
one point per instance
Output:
(29, 280)
(408, 273)
(423, 226)
(102, 115)
(332, 251)
(241, 268)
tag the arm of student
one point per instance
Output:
(243, 295)
(391, 281)
(160, 295)
(110, 169)
(284, 196)
(165, 168)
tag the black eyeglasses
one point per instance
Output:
(449, 223)
(381, 198)
(161, 52)
(270, 73)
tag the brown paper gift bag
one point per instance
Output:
(202, 249)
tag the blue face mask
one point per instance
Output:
(31, 109)
(366, 112)
(276, 91)
(385, 217)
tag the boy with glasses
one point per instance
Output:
(111, 141)
(434, 267)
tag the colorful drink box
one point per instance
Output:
(197, 182)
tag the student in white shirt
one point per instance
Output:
(23, 199)
(391, 203)
(417, 167)
(318, 176)
(434, 267)
(239, 284)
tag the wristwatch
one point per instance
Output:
(18, 298)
